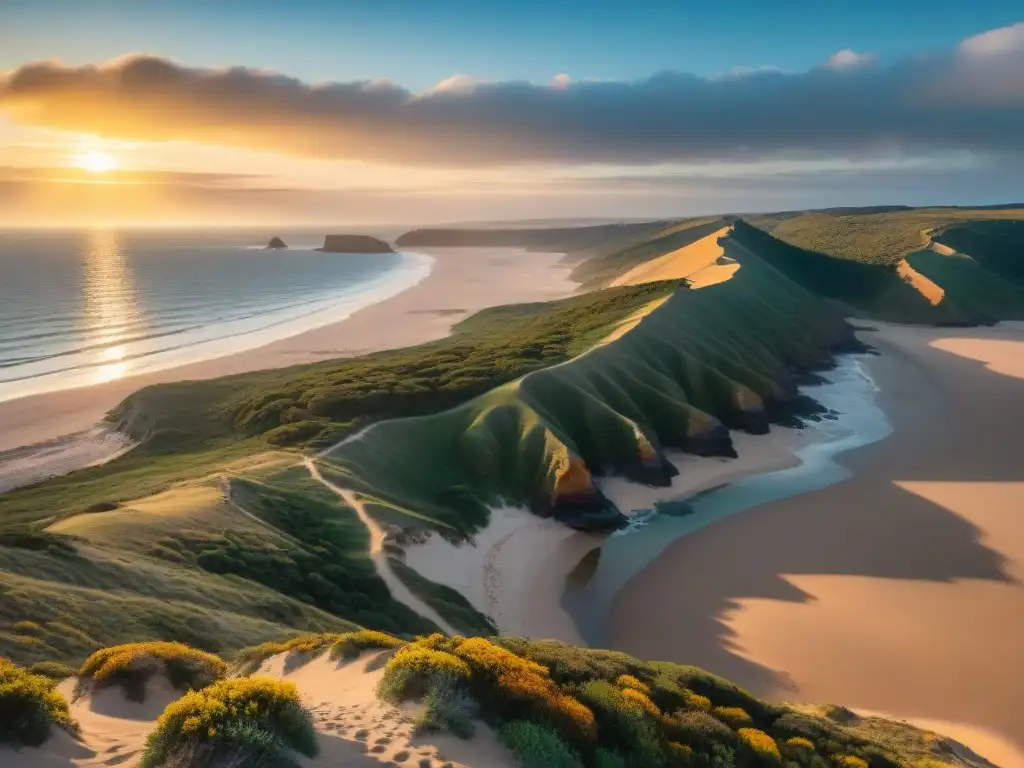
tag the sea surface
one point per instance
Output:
(848, 391)
(85, 307)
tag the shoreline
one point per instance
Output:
(516, 570)
(915, 567)
(463, 281)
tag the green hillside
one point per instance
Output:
(870, 235)
(209, 532)
(691, 365)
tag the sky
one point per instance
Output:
(386, 111)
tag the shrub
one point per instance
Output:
(495, 660)
(734, 716)
(27, 627)
(800, 743)
(696, 701)
(350, 644)
(131, 666)
(699, 729)
(449, 706)
(54, 670)
(632, 698)
(538, 747)
(628, 681)
(529, 693)
(408, 673)
(606, 759)
(573, 664)
(29, 705)
(624, 722)
(680, 754)
(249, 659)
(242, 721)
(761, 743)
(849, 761)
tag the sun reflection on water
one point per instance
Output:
(111, 308)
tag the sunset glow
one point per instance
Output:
(94, 161)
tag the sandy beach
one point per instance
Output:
(898, 590)
(515, 570)
(61, 425)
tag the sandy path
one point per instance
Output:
(59, 425)
(897, 591)
(380, 561)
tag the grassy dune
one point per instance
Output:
(552, 704)
(209, 534)
(698, 360)
(874, 237)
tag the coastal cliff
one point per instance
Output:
(354, 244)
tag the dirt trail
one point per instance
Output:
(377, 555)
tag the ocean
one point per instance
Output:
(86, 307)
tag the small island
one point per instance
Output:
(276, 244)
(354, 244)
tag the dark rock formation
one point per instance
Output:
(354, 244)
(276, 244)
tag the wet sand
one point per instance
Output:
(897, 590)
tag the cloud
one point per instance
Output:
(970, 98)
(1005, 40)
(849, 58)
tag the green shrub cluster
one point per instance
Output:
(244, 721)
(561, 705)
(325, 566)
(29, 706)
(131, 666)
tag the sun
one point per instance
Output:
(94, 161)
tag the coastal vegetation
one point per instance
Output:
(30, 707)
(874, 236)
(130, 667)
(244, 721)
(209, 534)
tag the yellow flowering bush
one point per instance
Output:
(546, 701)
(628, 681)
(254, 720)
(350, 644)
(495, 660)
(409, 673)
(131, 666)
(763, 744)
(29, 705)
(849, 761)
(799, 742)
(734, 716)
(638, 700)
(696, 701)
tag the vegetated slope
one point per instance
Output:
(874, 237)
(192, 428)
(695, 363)
(552, 705)
(998, 246)
(216, 563)
(874, 290)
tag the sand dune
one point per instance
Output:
(698, 260)
(899, 590)
(355, 729)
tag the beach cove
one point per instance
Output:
(896, 589)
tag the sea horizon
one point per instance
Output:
(89, 306)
